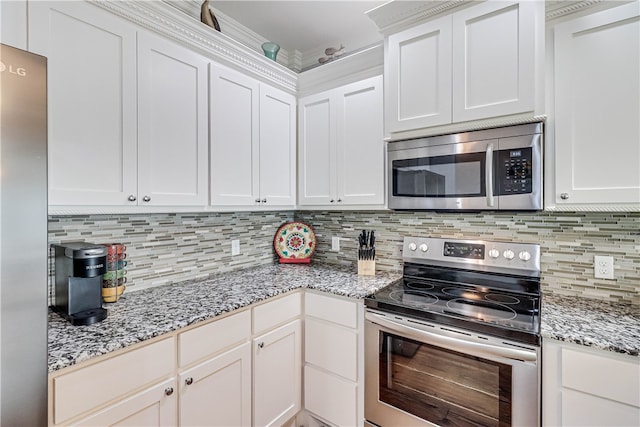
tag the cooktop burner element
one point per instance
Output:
(486, 287)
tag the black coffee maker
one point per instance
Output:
(78, 292)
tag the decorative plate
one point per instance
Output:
(295, 242)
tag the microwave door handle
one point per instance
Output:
(453, 343)
(488, 173)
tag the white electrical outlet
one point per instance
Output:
(603, 267)
(335, 244)
(235, 247)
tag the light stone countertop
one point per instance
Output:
(146, 314)
(593, 323)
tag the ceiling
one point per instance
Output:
(306, 26)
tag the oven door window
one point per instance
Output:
(458, 175)
(442, 386)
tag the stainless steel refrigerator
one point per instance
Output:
(23, 238)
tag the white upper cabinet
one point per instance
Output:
(597, 108)
(172, 124)
(475, 64)
(92, 144)
(252, 141)
(341, 146)
(127, 111)
(493, 60)
(418, 71)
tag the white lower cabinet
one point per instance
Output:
(218, 391)
(155, 406)
(333, 372)
(582, 386)
(109, 392)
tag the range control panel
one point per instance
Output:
(473, 254)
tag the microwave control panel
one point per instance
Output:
(515, 171)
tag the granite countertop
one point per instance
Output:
(593, 323)
(149, 313)
(145, 314)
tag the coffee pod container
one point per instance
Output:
(115, 278)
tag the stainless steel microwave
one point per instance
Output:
(492, 169)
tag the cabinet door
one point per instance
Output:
(218, 391)
(277, 147)
(360, 145)
(277, 375)
(317, 133)
(234, 137)
(597, 105)
(172, 124)
(418, 76)
(155, 406)
(91, 86)
(493, 60)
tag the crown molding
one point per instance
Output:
(172, 23)
(347, 69)
(397, 15)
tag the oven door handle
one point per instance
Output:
(452, 343)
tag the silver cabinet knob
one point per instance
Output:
(257, 200)
(339, 200)
(168, 391)
(146, 199)
(132, 198)
(264, 200)
(331, 200)
(260, 344)
(564, 196)
(188, 381)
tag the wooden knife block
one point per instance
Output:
(367, 268)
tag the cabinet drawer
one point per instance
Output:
(332, 347)
(602, 376)
(89, 387)
(274, 313)
(333, 309)
(581, 410)
(330, 397)
(213, 337)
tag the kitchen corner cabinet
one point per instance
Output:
(253, 145)
(333, 359)
(582, 386)
(597, 105)
(341, 159)
(127, 110)
(477, 63)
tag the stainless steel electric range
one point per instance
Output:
(456, 340)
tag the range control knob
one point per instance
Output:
(494, 253)
(524, 256)
(413, 246)
(424, 247)
(508, 254)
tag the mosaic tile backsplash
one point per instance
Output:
(163, 248)
(568, 243)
